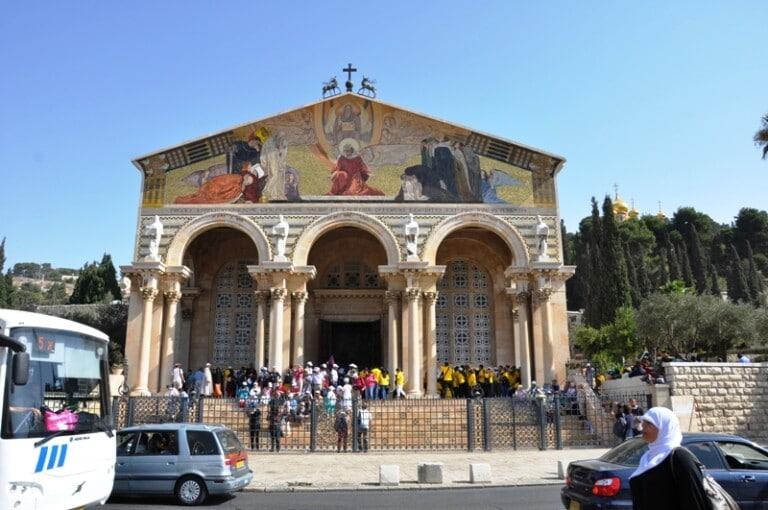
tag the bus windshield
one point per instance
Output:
(66, 392)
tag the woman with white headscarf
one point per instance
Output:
(668, 477)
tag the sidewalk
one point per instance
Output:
(290, 471)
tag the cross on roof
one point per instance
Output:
(349, 70)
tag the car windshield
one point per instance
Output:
(66, 391)
(229, 441)
(627, 453)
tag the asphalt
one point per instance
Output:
(485, 498)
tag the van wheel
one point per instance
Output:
(190, 490)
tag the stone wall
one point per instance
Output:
(728, 397)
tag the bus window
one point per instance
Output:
(66, 391)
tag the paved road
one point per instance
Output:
(488, 498)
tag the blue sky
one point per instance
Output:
(660, 97)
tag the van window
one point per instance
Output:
(125, 442)
(706, 454)
(201, 442)
(229, 441)
(157, 443)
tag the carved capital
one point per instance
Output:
(148, 293)
(429, 297)
(279, 293)
(261, 296)
(391, 296)
(173, 296)
(187, 314)
(541, 296)
(300, 296)
(412, 294)
(521, 298)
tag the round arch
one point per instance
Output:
(335, 220)
(509, 234)
(194, 228)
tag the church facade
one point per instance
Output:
(354, 229)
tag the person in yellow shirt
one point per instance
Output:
(471, 378)
(490, 382)
(383, 384)
(399, 383)
(458, 382)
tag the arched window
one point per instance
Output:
(234, 315)
(463, 315)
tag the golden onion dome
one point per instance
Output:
(634, 213)
(619, 206)
(660, 215)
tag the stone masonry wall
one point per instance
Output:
(728, 397)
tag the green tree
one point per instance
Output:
(594, 303)
(56, 295)
(698, 264)
(89, 287)
(685, 264)
(751, 226)
(109, 275)
(634, 284)
(643, 279)
(662, 274)
(612, 342)
(615, 280)
(713, 278)
(761, 136)
(754, 279)
(675, 272)
(27, 297)
(738, 289)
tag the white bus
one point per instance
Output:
(57, 444)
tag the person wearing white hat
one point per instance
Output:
(335, 375)
(668, 476)
(346, 394)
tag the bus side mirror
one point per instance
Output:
(20, 368)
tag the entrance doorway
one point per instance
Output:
(351, 342)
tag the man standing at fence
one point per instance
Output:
(363, 426)
(637, 412)
(342, 431)
(254, 425)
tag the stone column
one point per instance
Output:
(276, 328)
(413, 376)
(431, 339)
(261, 316)
(172, 298)
(300, 299)
(539, 299)
(392, 298)
(148, 294)
(521, 337)
(188, 297)
(548, 358)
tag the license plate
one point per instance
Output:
(240, 464)
(575, 505)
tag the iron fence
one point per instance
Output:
(555, 421)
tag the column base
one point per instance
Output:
(413, 394)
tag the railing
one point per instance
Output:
(480, 424)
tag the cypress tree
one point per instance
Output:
(698, 264)
(663, 274)
(675, 273)
(109, 275)
(685, 264)
(715, 288)
(634, 283)
(89, 287)
(643, 280)
(594, 283)
(615, 278)
(738, 289)
(754, 280)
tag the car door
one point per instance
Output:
(709, 455)
(126, 441)
(205, 456)
(749, 466)
(154, 462)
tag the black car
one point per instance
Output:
(737, 464)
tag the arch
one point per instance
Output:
(335, 220)
(209, 221)
(509, 234)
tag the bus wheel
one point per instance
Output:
(190, 490)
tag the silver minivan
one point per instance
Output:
(188, 460)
